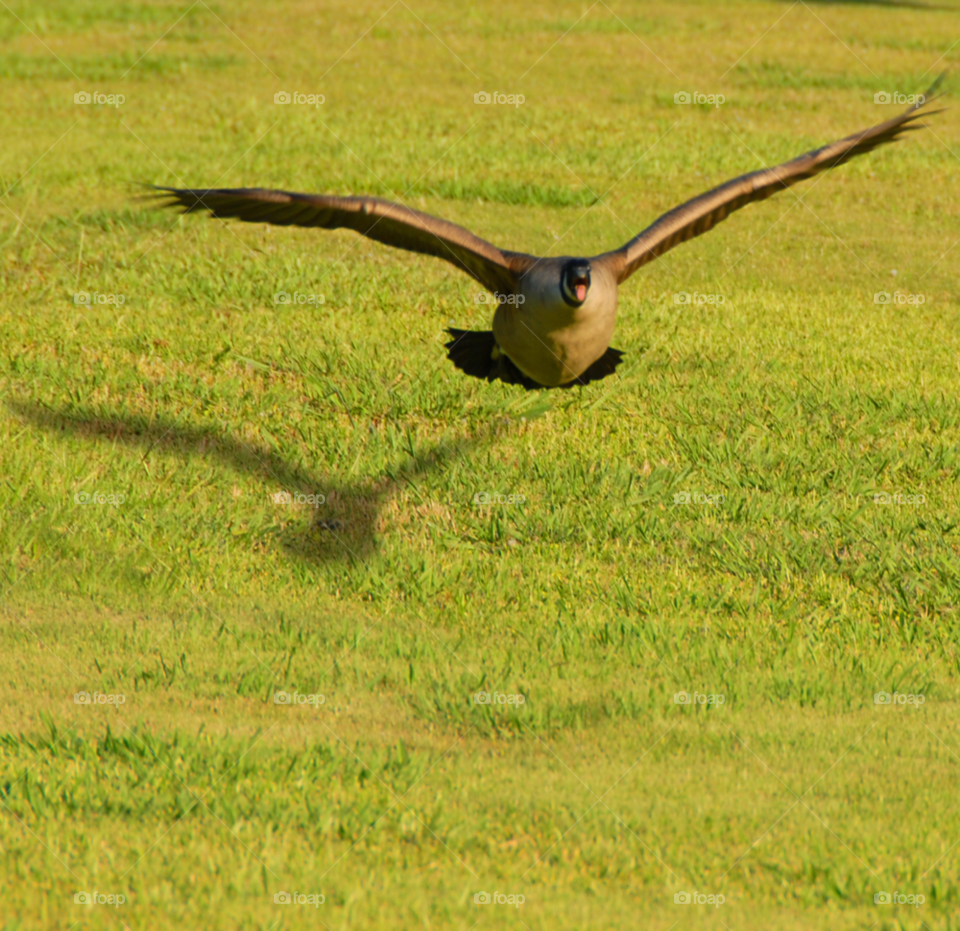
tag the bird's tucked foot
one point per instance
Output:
(476, 353)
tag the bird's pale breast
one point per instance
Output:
(547, 339)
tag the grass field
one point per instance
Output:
(762, 507)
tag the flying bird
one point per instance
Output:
(555, 315)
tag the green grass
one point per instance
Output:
(598, 597)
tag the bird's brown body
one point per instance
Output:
(559, 334)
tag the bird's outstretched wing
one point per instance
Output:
(378, 219)
(706, 211)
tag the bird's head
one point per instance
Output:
(575, 281)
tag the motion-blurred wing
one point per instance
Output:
(389, 223)
(706, 211)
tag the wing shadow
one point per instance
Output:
(343, 528)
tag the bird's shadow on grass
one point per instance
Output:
(344, 527)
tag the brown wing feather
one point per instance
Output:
(702, 213)
(389, 223)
